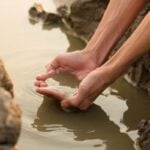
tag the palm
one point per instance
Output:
(76, 63)
(90, 87)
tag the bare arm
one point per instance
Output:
(99, 79)
(136, 46)
(117, 18)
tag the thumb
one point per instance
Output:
(53, 65)
(51, 70)
(51, 93)
(45, 76)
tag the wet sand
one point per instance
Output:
(110, 124)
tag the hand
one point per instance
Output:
(78, 63)
(89, 89)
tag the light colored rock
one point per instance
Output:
(10, 113)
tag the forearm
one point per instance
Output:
(117, 18)
(135, 47)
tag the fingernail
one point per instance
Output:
(43, 84)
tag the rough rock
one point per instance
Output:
(38, 13)
(144, 133)
(10, 113)
(84, 16)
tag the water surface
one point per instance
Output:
(110, 124)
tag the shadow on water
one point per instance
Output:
(88, 125)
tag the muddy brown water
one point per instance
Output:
(110, 124)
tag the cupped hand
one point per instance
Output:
(78, 63)
(89, 89)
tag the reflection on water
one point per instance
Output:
(93, 124)
(110, 124)
(137, 101)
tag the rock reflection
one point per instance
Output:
(89, 125)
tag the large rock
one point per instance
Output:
(144, 133)
(10, 113)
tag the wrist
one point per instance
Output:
(97, 54)
(106, 74)
(91, 54)
(99, 47)
(117, 66)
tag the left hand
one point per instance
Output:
(89, 89)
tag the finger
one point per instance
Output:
(45, 76)
(51, 70)
(42, 76)
(37, 83)
(53, 65)
(43, 84)
(51, 93)
(40, 83)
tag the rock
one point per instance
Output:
(85, 15)
(10, 113)
(38, 13)
(144, 133)
(5, 81)
(139, 73)
(63, 12)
